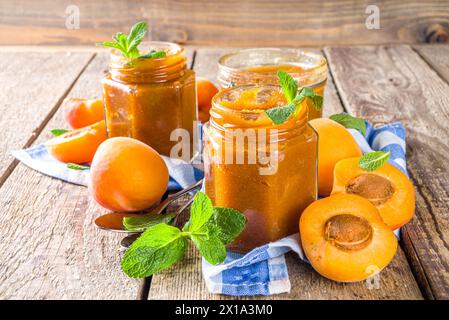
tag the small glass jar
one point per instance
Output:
(147, 99)
(268, 172)
(260, 65)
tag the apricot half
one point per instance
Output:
(79, 112)
(127, 175)
(334, 144)
(345, 239)
(78, 146)
(387, 188)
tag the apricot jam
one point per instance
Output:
(266, 171)
(147, 99)
(259, 66)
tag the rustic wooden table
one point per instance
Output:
(52, 250)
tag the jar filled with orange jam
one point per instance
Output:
(147, 99)
(268, 172)
(260, 65)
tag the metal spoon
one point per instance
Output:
(114, 221)
(128, 240)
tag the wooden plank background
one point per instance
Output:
(394, 84)
(52, 250)
(227, 23)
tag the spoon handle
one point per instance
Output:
(164, 204)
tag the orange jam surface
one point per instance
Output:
(147, 99)
(265, 75)
(272, 202)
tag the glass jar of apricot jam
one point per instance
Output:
(260, 65)
(268, 172)
(147, 99)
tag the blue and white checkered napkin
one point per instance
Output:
(263, 271)
(37, 158)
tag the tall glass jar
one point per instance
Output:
(260, 65)
(266, 171)
(147, 99)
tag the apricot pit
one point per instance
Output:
(373, 187)
(348, 232)
(387, 188)
(345, 239)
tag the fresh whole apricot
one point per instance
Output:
(78, 146)
(386, 187)
(80, 112)
(345, 238)
(127, 175)
(334, 144)
(205, 92)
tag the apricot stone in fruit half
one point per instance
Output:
(79, 112)
(127, 175)
(334, 144)
(78, 146)
(345, 239)
(387, 188)
(205, 92)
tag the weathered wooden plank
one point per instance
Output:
(230, 23)
(184, 281)
(437, 56)
(388, 84)
(33, 85)
(51, 247)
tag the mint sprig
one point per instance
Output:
(160, 246)
(348, 121)
(288, 84)
(371, 161)
(58, 132)
(128, 44)
(279, 115)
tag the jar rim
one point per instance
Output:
(173, 50)
(300, 53)
(218, 109)
(154, 70)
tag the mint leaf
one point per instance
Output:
(279, 115)
(146, 221)
(75, 166)
(200, 212)
(136, 34)
(288, 84)
(348, 121)
(153, 54)
(111, 45)
(230, 223)
(58, 132)
(316, 99)
(158, 248)
(208, 242)
(373, 160)
(122, 40)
